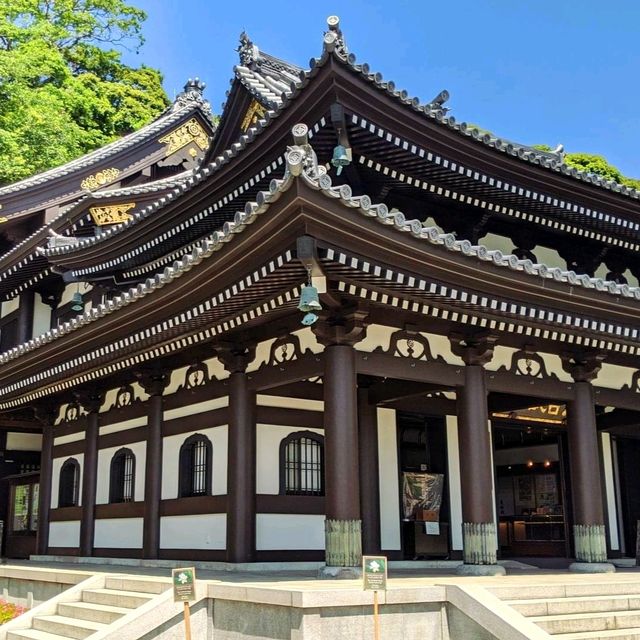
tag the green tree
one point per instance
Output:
(64, 89)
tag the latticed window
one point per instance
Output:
(302, 464)
(69, 483)
(195, 466)
(123, 472)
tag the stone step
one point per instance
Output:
(572, 623)
(114, 598)
(67, 627)
(618, 634)
(140, 584)
(585, 604)
(33, 634)
(106, 614)
(571, 590)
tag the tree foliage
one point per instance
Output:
(64, 89)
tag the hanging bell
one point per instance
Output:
(77, 304)
(309, 319)
(340, 158)
(309, 300)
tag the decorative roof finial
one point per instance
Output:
(194, 85)
(190, 94)
(247, 51)
(333, 38)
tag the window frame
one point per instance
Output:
(75, 488)
(117, 477)
(186, 470)
(293, 437)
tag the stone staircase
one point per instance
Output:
(586, 610)
(94, 609)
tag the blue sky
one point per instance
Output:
(533, 71)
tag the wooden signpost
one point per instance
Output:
(184, 590)
(374, 578)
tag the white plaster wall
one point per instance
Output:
(72, 437)
(64, 534)
(171, 463)
(276, 531)
(610, 494)
(119, 533)
(24, 441)
(377, 336)
(268, 439)
(198, 407)
(9, 306)
(124, 425)
(289, 403)
(455, 500)
(139, 450)
(613, 376)
(307, 340)
(55, 478)
(41, 316)
(207, 531)
(388, 480)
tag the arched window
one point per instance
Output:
(195, 466)
(122, 479)
(69, 483)
(302, 464)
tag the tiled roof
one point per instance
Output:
(301, 164)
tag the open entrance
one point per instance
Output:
(531, 482)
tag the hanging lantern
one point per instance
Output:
(77, 304)
(340, 158)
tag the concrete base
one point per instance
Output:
(591, 567)
(481, 570)
(339, 573)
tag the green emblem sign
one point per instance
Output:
(374, 573)
(184, 584)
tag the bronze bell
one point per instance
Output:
(309, 300)
(77, 304)
(340, 158)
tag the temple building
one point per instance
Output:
(337, 321)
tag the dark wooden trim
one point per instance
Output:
(63, 551)
(101, 552)
(196, 422)
(67, 428)
(194, 505)
(122, 438)
(64, 514)
(119, 510)
(307, 366)
(68, 449)
(137, 409)
(291, 555)
(45, 491)
(184, 397)
(202, 555)
(153, 477)
(89, 484)
(303, 418)
(308, 505)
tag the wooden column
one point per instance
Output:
(369, 473)
(241, 456)
(25, 316)
(476, 478)
(154, 383)
(91, 402)
(47, 416)
(343, 526)
(584, 459)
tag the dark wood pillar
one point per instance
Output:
(154, 383)
(369, 472)
(476, 481)
(343, 526)
(47, 416)
(91, 402)
(241, 456)
(25, 316)
(584, 459)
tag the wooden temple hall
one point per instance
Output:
(336, 321)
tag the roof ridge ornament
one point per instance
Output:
(192, 93)
(247, 51)
(334, 40)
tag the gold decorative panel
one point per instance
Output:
(552, 414)
(254, 113)
(111, 214)
(97, 180)
(190, 131)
